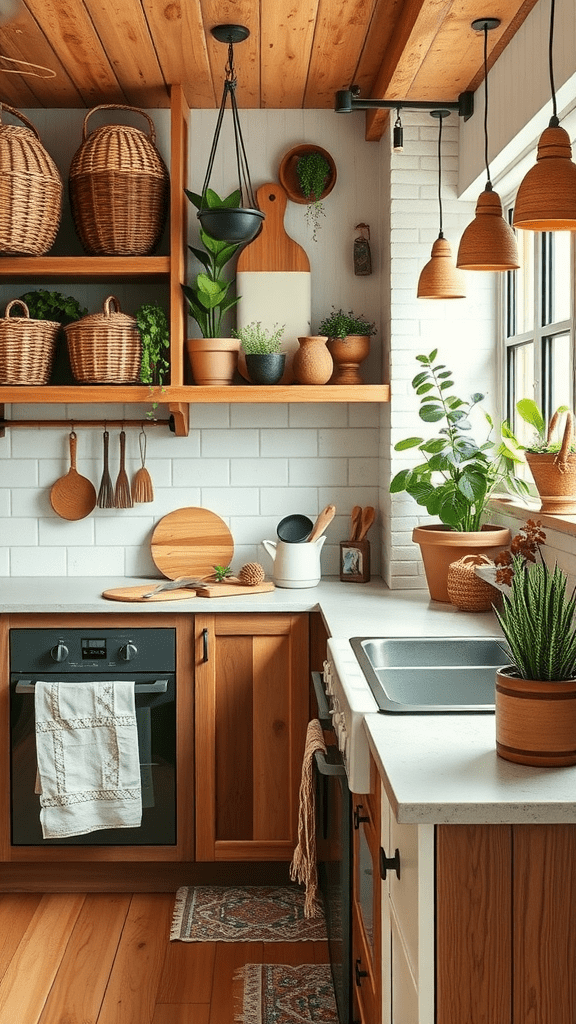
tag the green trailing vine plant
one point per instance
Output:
(152, 324)
(313, 171)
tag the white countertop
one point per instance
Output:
(436, 768)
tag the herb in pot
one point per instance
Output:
(340, 324)
(258, 340)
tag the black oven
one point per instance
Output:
(334, 854)
(146, 656)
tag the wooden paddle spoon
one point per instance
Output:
(367, 518)
(73, 496)
(324, 519)
(355, 521)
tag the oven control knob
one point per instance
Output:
(59, 652)
(128, 651)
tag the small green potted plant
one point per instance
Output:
(457, 477)
(307, 174)
(551, 457)
(62, 309)
(152, 324)
(348, 344)
(261, 346)
(213, 359)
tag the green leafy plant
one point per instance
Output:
(340, 324)
(313, 171)
(152, 324)
(258, 340)
(61, 309)
(544, 441)
(221, 572)
(458, 476)
(208, 297)
(537, 615)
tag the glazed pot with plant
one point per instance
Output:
(536, 692)
(457, 477)
(62, 309)
(213, 359)
(261, 346)
(348, 344)
(551, 457)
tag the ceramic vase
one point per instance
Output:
(266, 367)
(312, 362)
(347, 354)
(213, 360)
(440, 546)
(535, 720)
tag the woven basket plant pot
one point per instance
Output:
(535, 721)
(440, 546)
(555, 485)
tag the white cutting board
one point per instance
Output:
(273, 279)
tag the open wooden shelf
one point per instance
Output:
(84, 267)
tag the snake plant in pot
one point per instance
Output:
(536, 693)
(457, 477)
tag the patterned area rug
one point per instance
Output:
(279, 994)
(253, 913)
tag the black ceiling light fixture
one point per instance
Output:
(398, 134)
(488, 243)
(440, 279)
(231, 224)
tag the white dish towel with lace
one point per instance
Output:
(87, 751)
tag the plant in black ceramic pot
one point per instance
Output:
(264, 360)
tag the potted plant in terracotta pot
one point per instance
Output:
(536, 693)
(213, 359)
(457, 477)
(348, 344)
(264, 360)
(551, 457)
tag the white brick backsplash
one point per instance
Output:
(18, 531)
(348, 442)
(288, 443)
(19, 473)
(320, 415)
(201, 472)
(108, 561)
(5, 504)
(61, 533)
(259, 415)
(231, 501)
(36, 561)
(277, 502)
(4, 562)
(124, 529)
(318, 471)
(224, 444)
(259, 472)
(363, 472)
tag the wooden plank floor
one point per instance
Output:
(107, 959)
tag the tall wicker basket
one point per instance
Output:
(30, 190)
(26, 347)
(105, 348)
(119, 188)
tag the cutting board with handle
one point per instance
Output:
(273, 279)
(225, 589)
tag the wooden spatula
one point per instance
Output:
(367, 518)
(324, 519)
(73, 496)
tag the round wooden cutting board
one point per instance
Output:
(190, 542)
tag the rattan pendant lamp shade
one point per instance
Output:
(488, 243)
(546, 199)
(440, 279)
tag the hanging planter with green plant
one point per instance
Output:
(307, 174)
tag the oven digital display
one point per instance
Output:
(93, 648)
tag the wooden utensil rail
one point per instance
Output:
(70, 424)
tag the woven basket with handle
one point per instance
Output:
(119, 188)
(26, 347)
(466, 590)
(30, 190)
(105, 348)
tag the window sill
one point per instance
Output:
(523, 511)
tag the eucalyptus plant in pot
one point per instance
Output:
(348, 344)
(457, 478)
(264, 360)
(213, 359)
(536, 693)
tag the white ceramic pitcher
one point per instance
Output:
(295, 565)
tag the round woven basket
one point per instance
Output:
(30, 190)
(105, 348)
(119, 188)
(466, 590)
(26, 347)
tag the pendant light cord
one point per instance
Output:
(440, 233)
(488, 181)
(554, 122)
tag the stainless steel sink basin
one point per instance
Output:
(415, 675)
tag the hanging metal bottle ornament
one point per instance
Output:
(362, 254)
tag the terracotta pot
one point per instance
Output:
(347, 354)
(440, 546)
(535, 720)
(557, 488)
(213, 360)
(312, 363)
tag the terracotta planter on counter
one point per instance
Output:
(535, 720)
(440, 546)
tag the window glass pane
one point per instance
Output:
(525, 283)
(560, 371)
(521, 379)
(561, 283)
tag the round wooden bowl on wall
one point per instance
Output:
(289, 178)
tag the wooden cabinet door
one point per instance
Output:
(366, 905)
(251, 716)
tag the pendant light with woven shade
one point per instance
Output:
(488, 242)
(546, 199)
(440, 279)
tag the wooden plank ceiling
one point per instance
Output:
(298, 54)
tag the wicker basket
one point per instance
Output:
(466, 590)
(119, 188)
(26, 347)
(30, 190)
(105, 348)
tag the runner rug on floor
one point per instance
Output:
(280, 994)
(248, 913)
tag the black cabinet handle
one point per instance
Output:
(204, 645)
(358, 973)
(389, 863)
(358, 818)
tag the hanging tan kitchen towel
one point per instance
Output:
(87, 751)
(303, 867)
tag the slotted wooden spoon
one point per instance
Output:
(73, 496)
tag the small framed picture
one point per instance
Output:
(355, 561)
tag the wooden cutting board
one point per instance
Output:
(190, 542)
(231, 589)
(136, 594)
(273, 279)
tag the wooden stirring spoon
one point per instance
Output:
(367, 518)
(355, 522)
(324, 519)
(73, 496)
